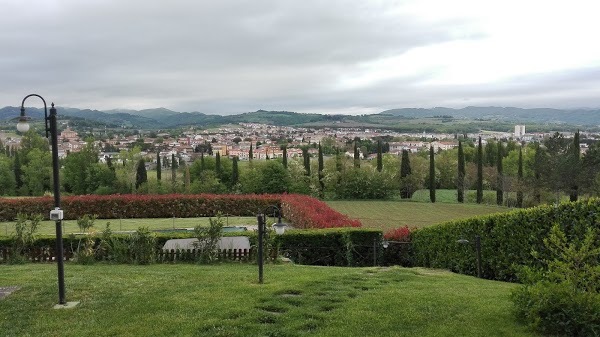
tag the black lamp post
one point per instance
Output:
(56, 214)
(279, 229)
(477, 251)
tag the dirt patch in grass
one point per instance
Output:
(5, 291)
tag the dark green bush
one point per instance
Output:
(563, 297)
(332, 247)
(506, 239)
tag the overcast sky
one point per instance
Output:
(306, 55)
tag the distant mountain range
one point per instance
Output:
(162, 118)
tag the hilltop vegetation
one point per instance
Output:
(470, 119)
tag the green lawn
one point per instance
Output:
(70, 226)
(393, 214)
(226, 300)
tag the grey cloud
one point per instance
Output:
(218, 56)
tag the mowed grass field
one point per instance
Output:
(393, 214)
(70, 226)
(226, 300)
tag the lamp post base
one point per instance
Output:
(68, 305)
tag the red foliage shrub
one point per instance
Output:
(400, 234)
(307, 212)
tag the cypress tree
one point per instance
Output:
(250, 153)
(321, 183)
(306, 159)
(356, 156)
(158, 167)
(18, 170)
(405, 171)
(479, 172)
(520, 175)
(202, 163)
(186, 177)
(141, 175)
(538, 161)
(235, 175)
(460, 183)
(173, 168)
(431, 174)
(379, 157)
(109, 163)
(284, 158)
(500, 177)
(575, 164)
(218, 168)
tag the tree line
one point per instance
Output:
(521, 174)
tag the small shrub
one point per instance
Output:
(85, 252)
(142, 246)
(24, 237)
(113, 249)
(563, 299)
(208, 240)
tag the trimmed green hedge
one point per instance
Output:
(507, 239)
(332, 247)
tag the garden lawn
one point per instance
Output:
(226, 300)
(393, 214)
(70, 226)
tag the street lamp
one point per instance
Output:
(477, 251)
(56, 214)
(279, 229)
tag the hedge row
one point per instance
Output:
(302, 211)
(329, 247)
(507, 239)
(332, 247)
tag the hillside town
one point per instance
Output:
(264, 141)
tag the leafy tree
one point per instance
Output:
(500, 177)
(479, 173)
(460, 181)
(99, 176)
(75, 170)
(30, 141)
(274, 177)
(7, 177)
(431, 174)
(37, 172)
(141, 176)
(491, 153)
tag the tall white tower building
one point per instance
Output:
(519, 131)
